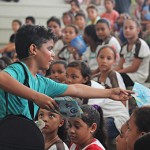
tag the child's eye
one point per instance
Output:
(40, 115)
(51, 116)
(77, 126)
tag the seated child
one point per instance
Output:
(87, 132)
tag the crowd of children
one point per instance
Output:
(117, 55)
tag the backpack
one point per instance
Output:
(17, 132)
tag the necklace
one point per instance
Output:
(51, 142)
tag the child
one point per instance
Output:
(92, 40)
(115, 113)
(67, 18)
(30, 20)
(54, 130)
(109, 78)
(121, 138)
(80, 22)
(34, 49)
(138, 125)
(69, 53)
(55, 24)
(146, 10)
(87, 132)
(110, 13)
(135, 55)
(92, 14)
(57, 71)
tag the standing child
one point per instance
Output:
(34, 49)
(135, 55)
(57, 71)
(109, 78)
(110, 13)
(87, 132)
(92, 14)
(53, 131)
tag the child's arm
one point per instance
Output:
(133, 68)
(83, 91)
(120, 65)
(11, 85)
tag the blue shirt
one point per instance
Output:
(18, 105)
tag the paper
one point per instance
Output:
(142, 94)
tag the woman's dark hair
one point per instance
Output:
(142, 118)
(29, 34)
(54, 19)
(110, 47)
(91, 32)
(104, 20)
(85, 70)
(75, 28)
(48, 72)
(94, 114)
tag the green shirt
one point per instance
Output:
(18, 105)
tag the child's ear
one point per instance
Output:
(61, 123)
(32, 49)
(93, 128)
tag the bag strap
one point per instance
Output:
(26, 83)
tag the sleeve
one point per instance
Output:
(54, 89)
(94, 147)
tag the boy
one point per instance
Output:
(92, 14)
(34, 49)
(80, 21)
(110, 13)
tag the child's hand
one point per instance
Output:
(120, 94)
(43, 101)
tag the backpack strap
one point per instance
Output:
(26, 83)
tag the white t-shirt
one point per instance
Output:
(139, 50)
(111, 108)
(58, 46)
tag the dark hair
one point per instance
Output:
(70, 15)
(135, 21)
(31, 18)
(143, 143)
(18, 21)
(142, 118)
(112, 1)
(110, 47)
(73, 26)
(91, 115)
(54, 19)
(48, 72)
(104, 20)
(4, 62)
(80, 14)
(91, 32)
(85, 70)
(92, 6)
(76, 2)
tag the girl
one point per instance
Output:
(103, 31)
(106, 58)
(53, 131)
(138, 125)
(69, 53)
(91, 123)
(92, 40)
(115, 113)
(57, 71)
(135, 55)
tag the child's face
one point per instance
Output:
(66, 20)
(130, 29)
(92, 13)
(79, 132)
(74, 7)
(105, 59)
(80, 22)
(140, 2)
(102, 31)
(87, 38)
(73, 76)
(132, 133)
(58, 72)
(69, 34)
(109, 5)
(44, 55)
(52, 121)
(121, 143)
(15, 26)
(55, 27)
(29, 22)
